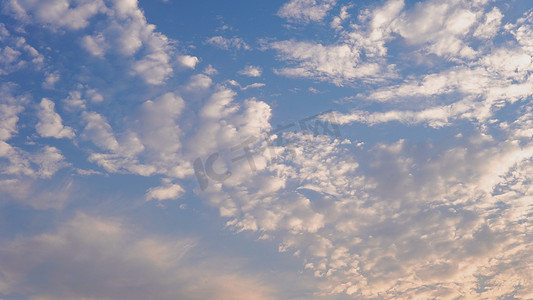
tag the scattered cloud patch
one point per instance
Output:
(228, 43)
(251, 71)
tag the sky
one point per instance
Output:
(295, 149)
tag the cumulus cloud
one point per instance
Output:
(49, 160)
(151, 145)
(50, 79)
(50, 123)
(336, 63)
(55, 13)
(444, 29)
(10, 109)
(188, 61)
(16, 53)
(125, 31)
(228, 43)
(98, 130)
(168, 191)
(306, 10)
(354, 232)
(251, 71)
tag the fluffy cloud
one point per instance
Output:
(168, 191)
(50, 123)
(426, 220)
(188, 61)
(447, 29)
(16, 53)
(335, 63)
(306, 10)
(73, 15)
(228, 43)
(251, 71)
(126, 30)
(9, 116)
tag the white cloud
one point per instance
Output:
(125, 30)
(94, 96)
(16, 53)
(151, 145)
(335, 63)
(198, 83)
(490, 27)
(210, 70)
(224, 124)
(51, 79)
(168, 191)
(9, 60)
(306, 10)
(338, 20)
(254, 85)
(160, 132)
(8, 118)
(99, 131)
(50, 123)
(251, 71)
(188, 61)
(73, 15)
(50, 160)
(228, 43)
(94, 44)
(352, 228)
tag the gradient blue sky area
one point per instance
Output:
(117, 116)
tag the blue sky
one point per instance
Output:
(141, 155)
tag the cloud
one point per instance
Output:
(442, 26)
(55, 13)
(51, 79)
(99, 131)
(168, 191)
(254, 85)
(343, 16)
(335, 63)
(188, 61)
(491, 25)
(408, 212)
(124, 30)
(352, 227)
(9, 111)
(95, 45)
(151, 145)
(488, 83)
(198, 83)
(118, 156)
(161, 133)
(251, 71)
(49, 160)
(97, 252)
(447, 29)
(228, 43)
(223, 123)
(50, 123)
(16, 53)
(306, 10)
